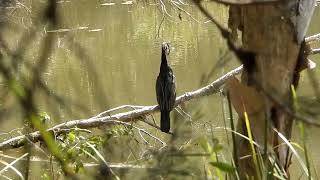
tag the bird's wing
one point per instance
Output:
(160, 92)
(173, 95)
(171, 91)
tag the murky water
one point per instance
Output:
(109, 55)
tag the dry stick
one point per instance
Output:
(120, 166)
(315, 37)
(311, 39)
(243, 2)
(140, 130)
(106, 113)
(125, 116)
(315, 51)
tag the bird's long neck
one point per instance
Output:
(164, 62)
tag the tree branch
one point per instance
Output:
(315, 51)
(129, 116)
(315, 37)
(243, 2)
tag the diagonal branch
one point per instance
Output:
(129, 116)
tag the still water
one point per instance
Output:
(107, 54)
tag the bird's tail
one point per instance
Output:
(165, 121)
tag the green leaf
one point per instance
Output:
(71, 136)
(44, 117)
(205, 144)
(223, 166)
(45, 176)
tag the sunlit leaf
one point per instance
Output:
(71, 136)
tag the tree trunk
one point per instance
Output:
(268, 31)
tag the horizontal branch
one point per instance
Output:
(128, 116)
(315, 51)
(120, 166)
(243, 2)
(315, 37)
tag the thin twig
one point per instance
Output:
(160, 24)
(104, 113)
(164, 9)
(186, 12)
(13, 168)
(141, 130)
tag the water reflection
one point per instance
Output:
(124, 46)
(121, 56)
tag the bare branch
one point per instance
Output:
(106, 113)
(129, 116)
(315, 51)
(120, 166)
(243, 2)
(315, 37)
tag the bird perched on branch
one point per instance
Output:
(165, 89)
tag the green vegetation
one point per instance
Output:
(62, 71)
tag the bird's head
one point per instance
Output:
(165, 48)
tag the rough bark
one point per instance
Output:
(268, 31)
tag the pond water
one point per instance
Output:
(107, 54)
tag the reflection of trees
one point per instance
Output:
(23, 69)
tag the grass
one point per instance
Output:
(302, 131)
(254, 153)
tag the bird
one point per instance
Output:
(165, 89)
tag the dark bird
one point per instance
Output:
(165, 89)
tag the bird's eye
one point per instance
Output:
(167, 48)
